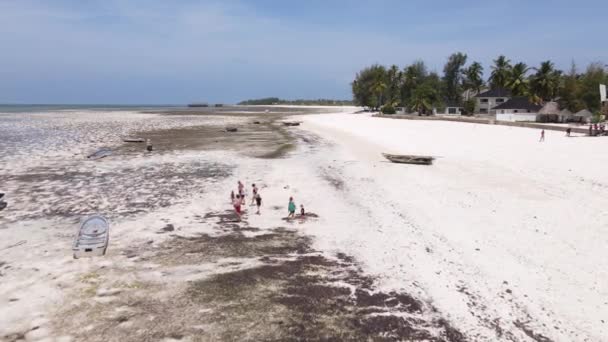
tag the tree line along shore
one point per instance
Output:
(415, 88)
(269, 101)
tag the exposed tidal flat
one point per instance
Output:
(491, 243)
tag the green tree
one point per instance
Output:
(501, 71)
(366, 85)
(590, 81)
(517, 81)
(546, 81)
(378, 89)
(394, 76)
(569, 93)
(426, 95)
(473, 77)
(453, 77)
(422, 99)
(469, 106)
(413, 76)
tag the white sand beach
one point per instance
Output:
(503, 231)
(502, 239)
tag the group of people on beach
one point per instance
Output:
(597, 129)
(238, 201)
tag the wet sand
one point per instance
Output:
(180, 266)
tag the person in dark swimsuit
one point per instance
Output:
(258, 202)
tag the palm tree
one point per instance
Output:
(500, 72)
(413, 76)
(378, 89)
(394, 81)
(545, 83)
(518, 82)
(474, 77)
(423, 98)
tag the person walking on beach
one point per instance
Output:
(237, 206)
(568, 131)
(254, 191)
(258, 202)
(291, 208)
(542, 136)
(241, 188)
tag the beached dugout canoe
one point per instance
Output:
(101, 153)
(134, 140)
(409, 159)
(294, 123)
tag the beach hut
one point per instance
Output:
(583, 116)
(549, 112)
(565, 115)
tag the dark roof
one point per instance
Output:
(497, 92)
(519, 102)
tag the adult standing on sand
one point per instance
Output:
(241, 188)
(291, 208)
(254, 191)
(542, 136)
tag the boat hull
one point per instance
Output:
(92, 237)
(409, 159)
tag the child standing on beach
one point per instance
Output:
(302, 211)
(291, 207)
(237, 206)
(258, 202)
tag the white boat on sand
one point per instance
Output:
(92, 237)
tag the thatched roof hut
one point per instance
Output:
(549, 113)
(566, 113)
(584, 115)
(550, 108)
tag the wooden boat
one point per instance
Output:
(101, 153)
(92, 237)
(2, 203)
(291, 123)
(231, 129)
(409, 159)
(134, 140)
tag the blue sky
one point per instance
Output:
(162, 51)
